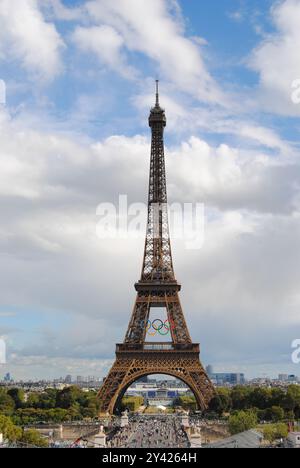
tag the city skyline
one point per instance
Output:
(87, 377)
(219, 379)
(232, 145)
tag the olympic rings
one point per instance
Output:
(158, 326)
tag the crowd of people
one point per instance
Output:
(121, 437)
(151, 432)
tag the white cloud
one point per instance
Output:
(251, 132)
(45, 367)
(7, 314)
(150, 28)
(233, 178)
(184, 119)
(107, 44)
(237, 15)
(61, 12)
(27, 37)
(276, 59)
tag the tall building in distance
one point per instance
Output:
(293, 378)
(7, 378)
(68, 379)
(283, 377)
(225, 378)
(143, 379)
(228, 379)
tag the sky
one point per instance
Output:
(79, 79)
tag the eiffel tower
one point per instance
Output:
(135, 357)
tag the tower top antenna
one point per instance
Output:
(157, 94)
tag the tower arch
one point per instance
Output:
(200, 400)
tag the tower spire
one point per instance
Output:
(157, 94)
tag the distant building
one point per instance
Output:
(283, 377)
(293, 440)
(162, 392)
(210, 370)
(7, 377)
(249, 439)
(68, 379)
(228, 379)
(152, 381)
(159, 397)
(143, 379)
(293, 379)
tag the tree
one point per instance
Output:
(293, 398)
(57, 415)
(186, 402)
(89, 413)
(288, 404)
(33, 400)
(17, 394)
(7, 404)
(274, 414)
(273, 432)
(277, 397)
(132, 403)
(260, 398)
(9, 430)
(281, 431)
(294, 392)
(47, 399)
(33, 438)
(242, 421)
(240, 398)
(89, 404)
(216, 405)
(74, 413)
(68, 397)
(222, 402)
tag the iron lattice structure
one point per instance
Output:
(157, 287)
